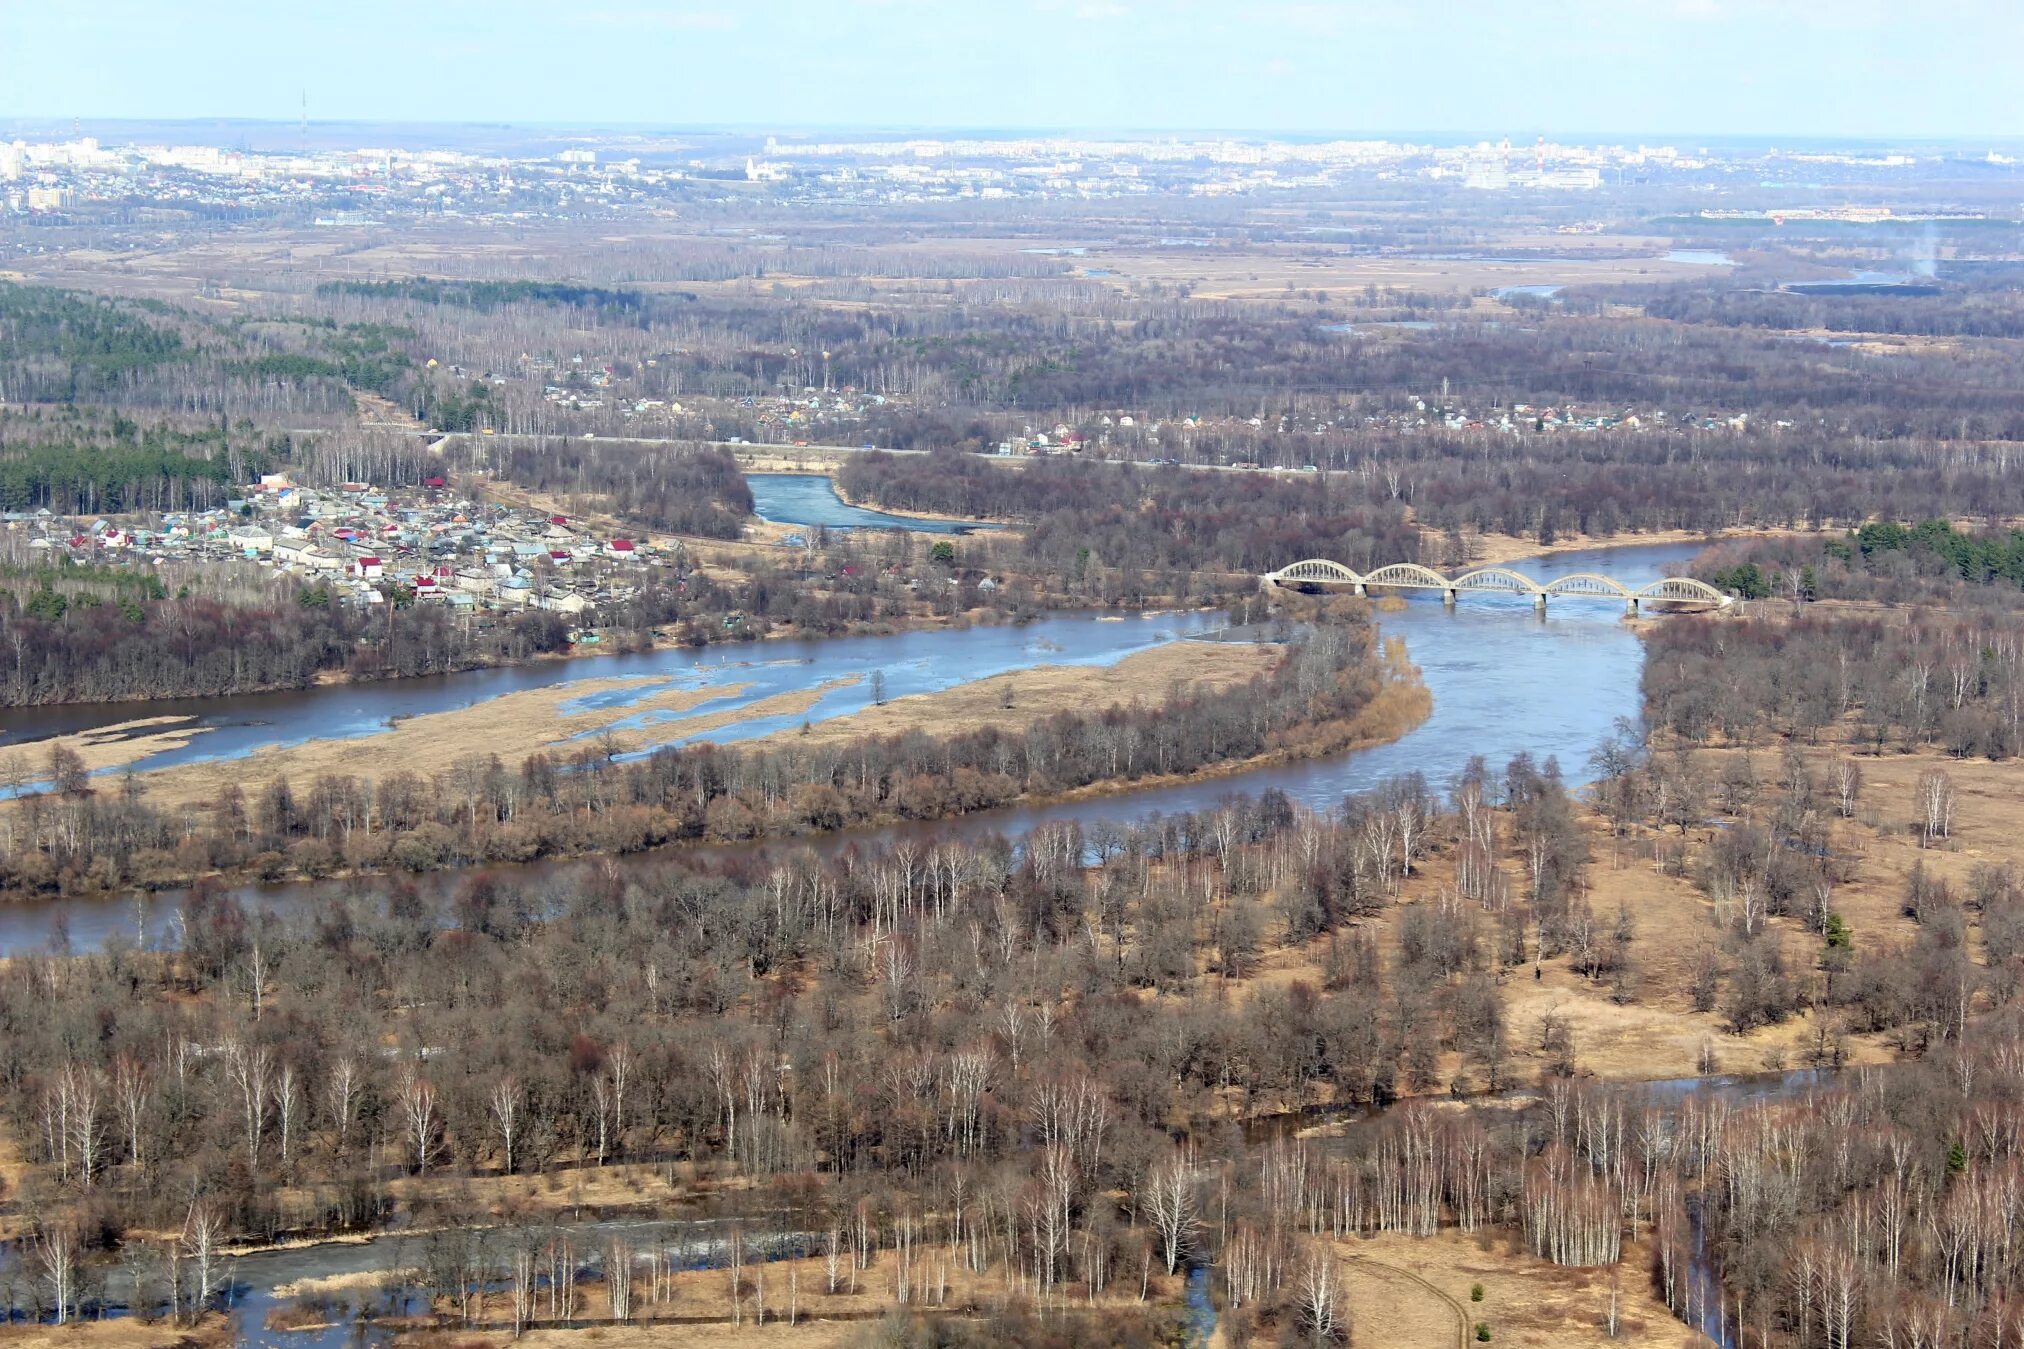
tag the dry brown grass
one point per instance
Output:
(1408, 1292)
(123, 1333)
(509, 725)
(515, 725)
(1143, 676)
(562, 1193)
(773, 1335)
(115, 746)
(699, 1310)
(1265, 274)
(1659, 1034)
(1495, 550)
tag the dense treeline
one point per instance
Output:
(1932, 562)
(1902, 680)
(1965, 313)
(78, 633)
(1547, 486)
(688, 489)
(79, 463)
(1082, 514)
(1945, 669)
(66, 347)
(87, 341)
(69, 637)
(487, 296)
(588, 802)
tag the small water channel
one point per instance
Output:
(262, 1283)
(366, 1285)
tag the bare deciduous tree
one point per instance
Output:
(1168, 1198)
(1934, 793)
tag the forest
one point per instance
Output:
(1975, 313)
(1019, 1081)
(1902, 680)
(80, 463)
(692, 489)
(1890, 636)
(69, 348)
(76, 633)
(999, 357)
(1160, 520)
(1933, 562)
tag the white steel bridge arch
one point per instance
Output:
(1497, 581)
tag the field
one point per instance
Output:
(1264, 274)
(223, 274)
(1415, 1293)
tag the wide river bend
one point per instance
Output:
(1503, 680)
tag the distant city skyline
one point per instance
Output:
(1868, 69)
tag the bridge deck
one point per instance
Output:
(1497, 580)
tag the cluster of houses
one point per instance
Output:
(363, 542)
(1521, 417)
(1124, 432)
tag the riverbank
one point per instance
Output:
(996, 522)
(120, 1332)
(592, 713)
(511, 725)
(465, 796)
(1023, 697)
(1499, 550)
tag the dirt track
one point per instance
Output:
(1392, 1273)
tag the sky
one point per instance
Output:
(1880, 69)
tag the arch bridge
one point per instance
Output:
(1318, 571)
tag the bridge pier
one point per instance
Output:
(1448, 597)
(1361, 593)
(1630, 606)
(1539, 600)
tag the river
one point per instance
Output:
(741, 674)
(1503, 680)
(811, 499)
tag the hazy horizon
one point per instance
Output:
(1519, 136)
(1857, 70)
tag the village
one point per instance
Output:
(367, 545)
